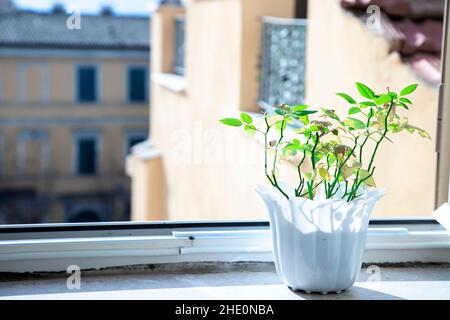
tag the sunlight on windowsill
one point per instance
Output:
(225, 281)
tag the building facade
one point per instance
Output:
(73, 101)
(194, 168)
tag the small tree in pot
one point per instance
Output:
(319, 226)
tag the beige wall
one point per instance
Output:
(210, 171)
(341, 51)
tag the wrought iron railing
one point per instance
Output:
(178, 67)
(282, 65)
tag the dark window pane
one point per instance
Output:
(86, 162)
(85, 216)
(137, 85)
(87, 82)
(134, 141)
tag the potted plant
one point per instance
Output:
(319, 225)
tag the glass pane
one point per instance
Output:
(137, 85)
(86, 156)
(75, 111)
(87, 84)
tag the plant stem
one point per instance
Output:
(353, 195)
(274, 182)
(339, 172)
(314, 188)
(265, 151)
(367, 137)
(382, 136)
(301, 183)
(353, 186)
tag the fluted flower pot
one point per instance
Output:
(318, 245)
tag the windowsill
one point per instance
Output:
(224, 281)
(144, 151)
(170, 81)
(53, 251)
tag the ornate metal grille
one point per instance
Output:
(178, 67)
(282, 68)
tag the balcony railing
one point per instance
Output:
(178, 67)
(282, 65)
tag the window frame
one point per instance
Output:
(97, 83)
(45, 247)
(77, 136)
(130, 135)
(128, 69)
(53, 247)
(443, 118)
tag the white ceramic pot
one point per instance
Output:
(318, 245)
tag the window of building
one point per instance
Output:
(33, 152)
(32, 83)
(87, 90)
(86, 155)
(137, 84)
(133, 139)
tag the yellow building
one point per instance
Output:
(73, 100)
(252, 54)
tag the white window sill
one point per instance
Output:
(95, 250)
(170, 81)
(144, 151)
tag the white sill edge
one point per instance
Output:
(170, 81)
(99, 252)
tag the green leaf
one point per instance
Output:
(304, 113)
(346, 97)
(405, 100)
(423, 133)
(365, 91)
(367, 104)
(347, 171)
(356, 123)
(409, 89)
(402, 105)
(304, 120)
(299, 108)
(354, 110)
(331, 114)
(246, 118)
(364, 175)
(420, 131)
(394, 127)
(383, 99)
(250, 130)
(323, 173)
(231, 122)
(281, 125)
(393, 95)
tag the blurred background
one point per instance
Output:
(109, 109)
